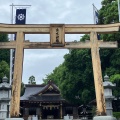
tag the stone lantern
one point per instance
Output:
(5, 95)
(108, 86)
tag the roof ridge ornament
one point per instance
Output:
(50, 81)
(50, 88)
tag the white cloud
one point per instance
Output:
(64, 14)
(69, 4)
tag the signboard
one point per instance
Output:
(57, 35)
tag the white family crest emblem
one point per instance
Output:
(21, 17)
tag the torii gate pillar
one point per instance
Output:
(97, 74)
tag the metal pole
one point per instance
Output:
(119, 9)
(11, 53)
(93, 13)
(11, 50)
(12, 14)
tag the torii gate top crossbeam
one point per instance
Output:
(69, 28)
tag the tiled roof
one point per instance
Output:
(32, 93)
(31, 90)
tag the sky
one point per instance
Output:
(41, 62)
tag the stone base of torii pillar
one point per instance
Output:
(104, 118)
(14, 119)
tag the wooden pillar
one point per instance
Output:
(61, 111)
(26, 112)
(100, 99)
(40, 112)
(37, 111)
(75, 112)
(17, 78)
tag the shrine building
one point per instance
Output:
(45, 102)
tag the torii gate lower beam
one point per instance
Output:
(46, 45)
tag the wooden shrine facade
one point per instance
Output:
(45, 102)
(57, 40)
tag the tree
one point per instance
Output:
(32, 80)
(56, 76)
(110, 58)
(4, 70)
(85, 37)
(109, 14)
(79, 76)
(4, 58)
(116, 79)
(4, 53)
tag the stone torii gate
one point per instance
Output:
(57, 40)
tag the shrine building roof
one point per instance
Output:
(48, 92)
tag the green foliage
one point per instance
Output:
(85, 94)
(116, 79)
(22, 89)
(110, 58)
(94, 109)
(32, 80)
(3, 37)
(4, 70)
(56, 75)
(116, 114)
(79, 77)
(4, 53)
(110, 61)
(106, 2)
(109, 14)
(4, 58)
(85, 37)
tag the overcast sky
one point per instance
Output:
(43, 61)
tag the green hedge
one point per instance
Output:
(116, 114)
